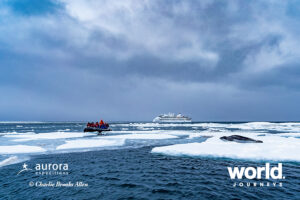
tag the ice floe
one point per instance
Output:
(143, 136)
(114, 140)
(272, 148)
(89, 143)
(13, 160)
(289, 134)
(8, 161)
(19, 149)
(46, 136)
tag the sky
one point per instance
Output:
(131, 60)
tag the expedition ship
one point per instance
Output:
(172, 118)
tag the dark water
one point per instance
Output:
(133, 172)
(138, 174)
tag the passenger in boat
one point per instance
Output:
(102, 124)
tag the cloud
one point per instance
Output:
(200, 33)
(144, 27)
(149, 57)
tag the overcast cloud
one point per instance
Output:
(135, 59)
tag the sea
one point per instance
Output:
(145, 160)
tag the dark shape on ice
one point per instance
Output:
(241, 139)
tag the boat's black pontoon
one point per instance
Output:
(94, 129)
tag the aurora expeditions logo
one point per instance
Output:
(47, 169)
(250, 173)
(24, 169)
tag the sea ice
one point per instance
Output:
(272, 148)
(89, 143)
(143, 136)
(47, 136)
(17, 149)
(8, 161)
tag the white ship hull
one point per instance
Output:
(172, 119)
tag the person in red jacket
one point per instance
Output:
(102, 124)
